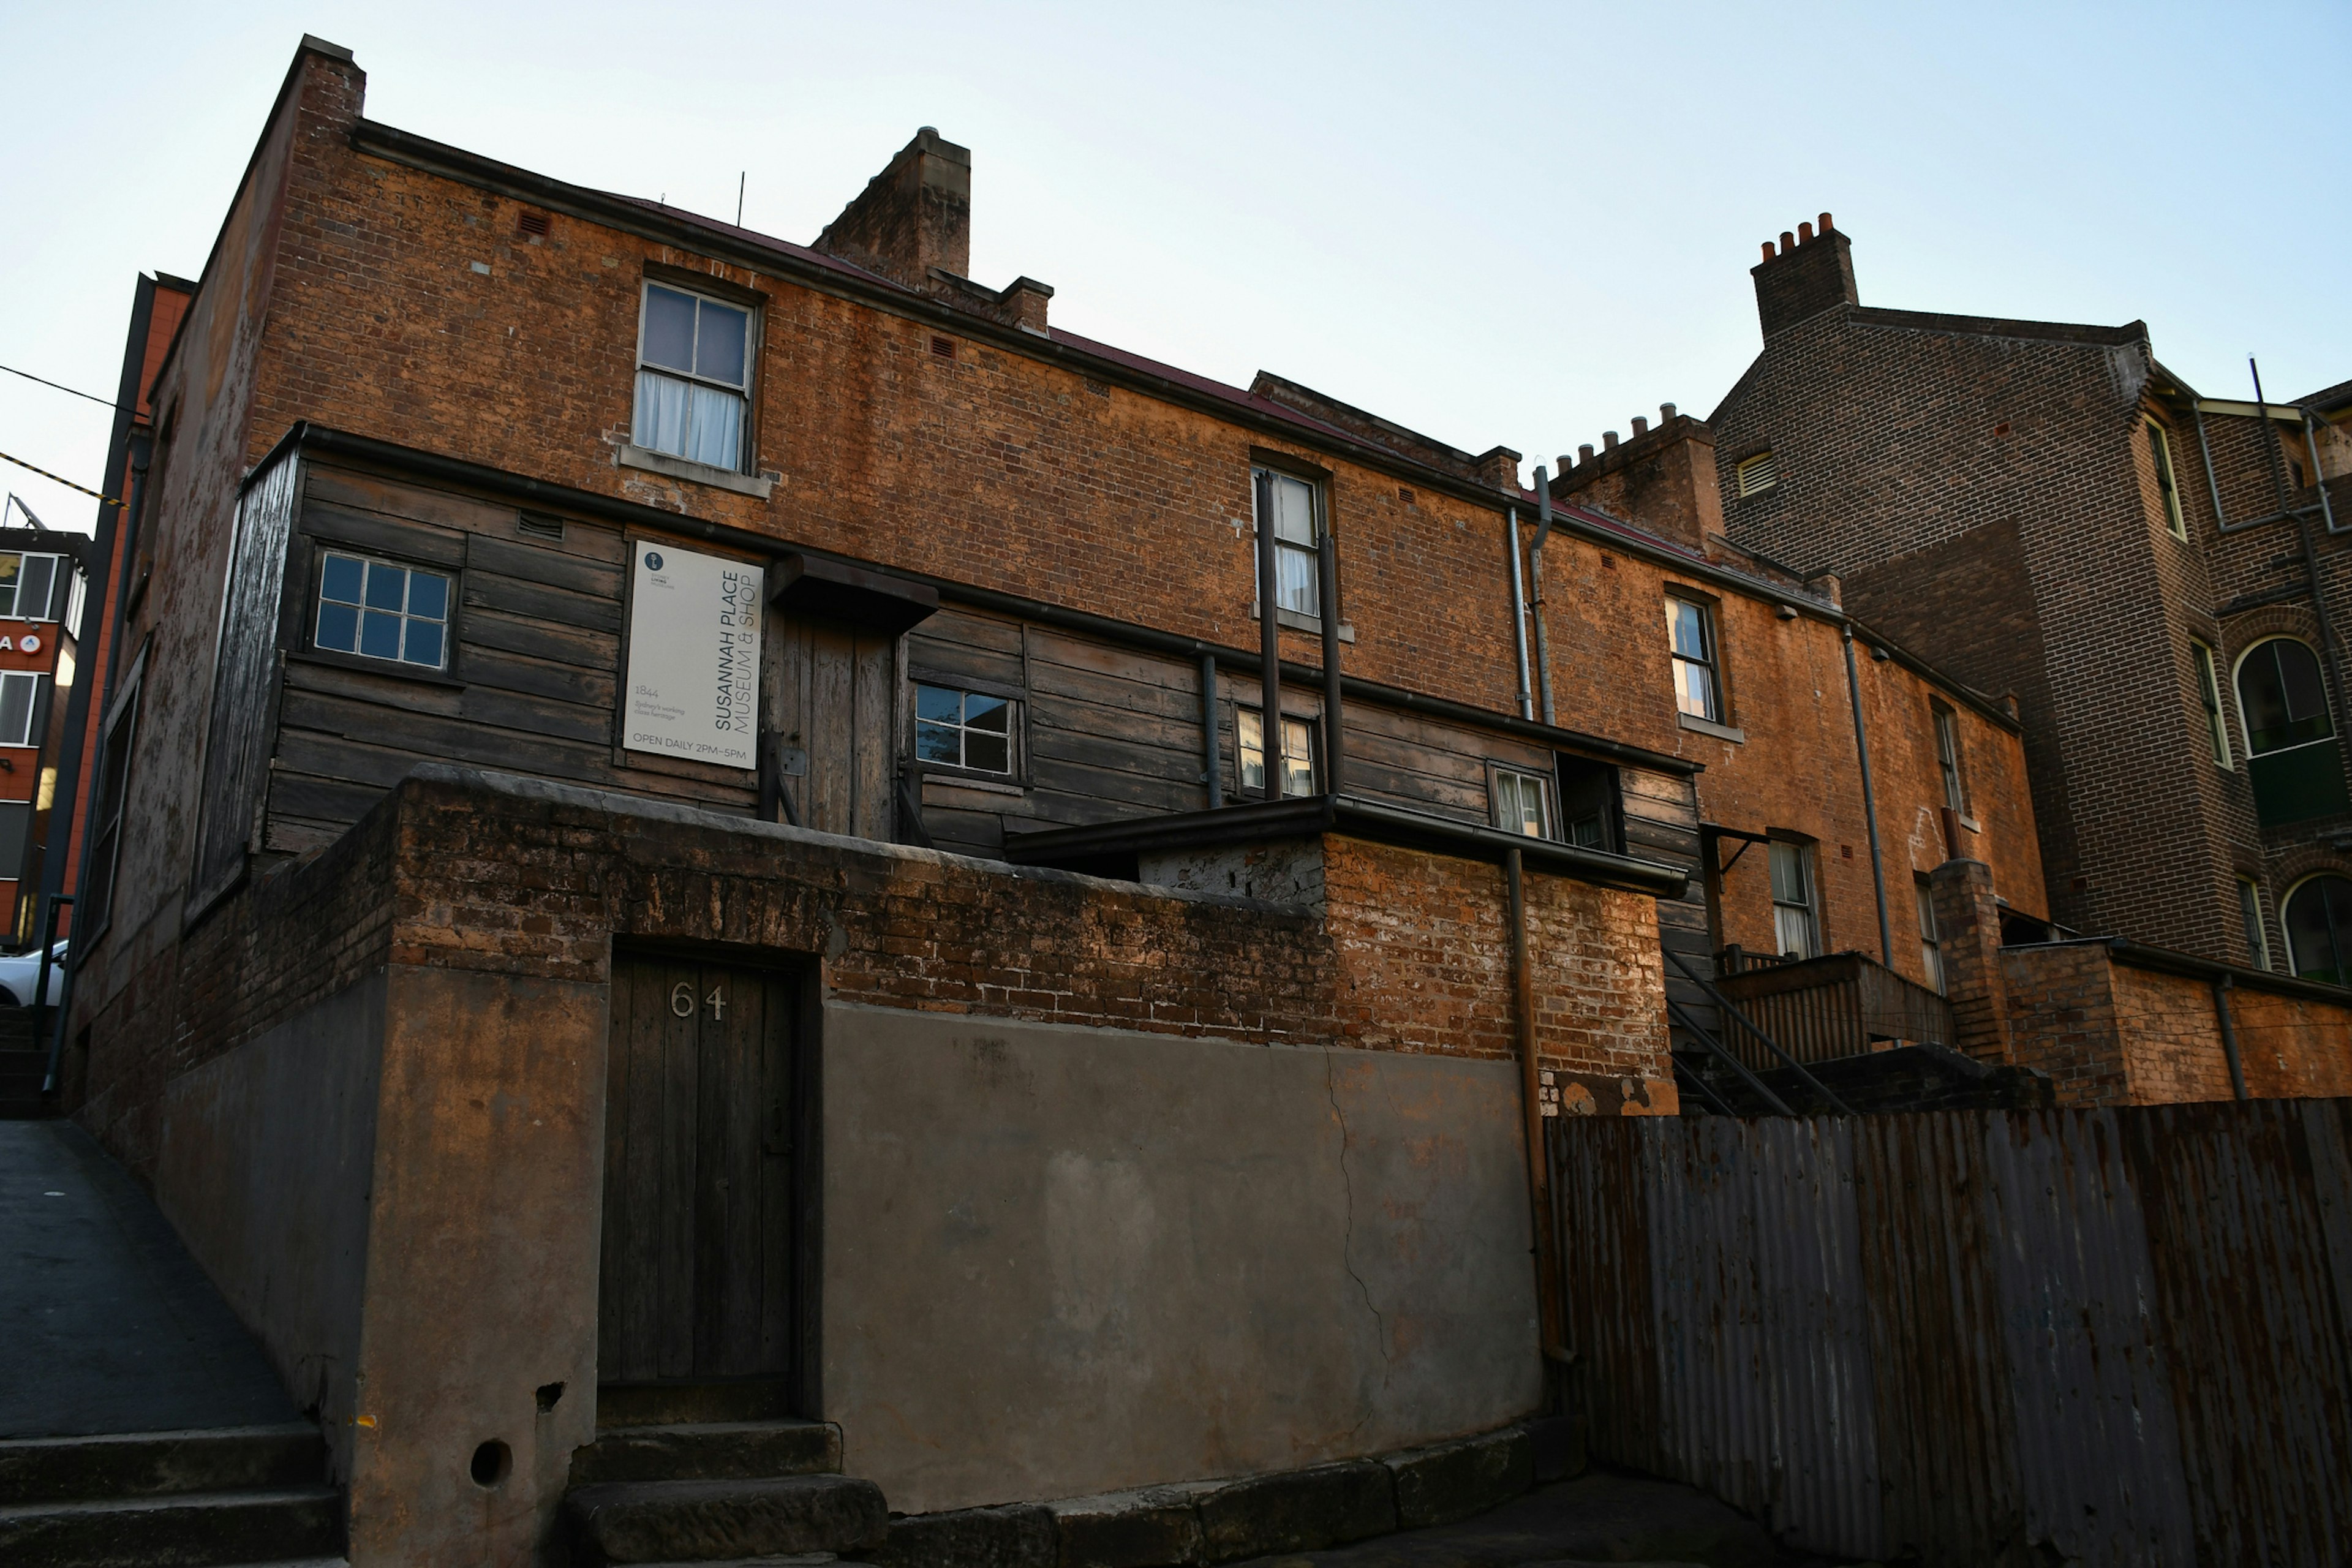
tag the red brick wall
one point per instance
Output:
(2062, 1020)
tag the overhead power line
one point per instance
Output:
(60, 387)
(59, 478)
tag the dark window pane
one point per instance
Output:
(387, 586)
(380, 636)
(719, 347)
(15, 821)
(669, 329)
(339, 628)
(341, 579)
(17, 709)
(938, 703)
(2318, 925)
(33, 586)
(2299, 672)
(423, 643)
(428, 595)
(986, 712)
(937, 744)
(985, 750)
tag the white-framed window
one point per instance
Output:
(2159, 450)
(963, 728)
(1796, 912)
(1947, 757)
(2209, 693)
(1690, 632)
(20, 702)
(1297, 753)
(77, 598)
(1931, 947)
(1293, 505)
(2249, 910)
(1756, 474)
(381, 609)
(2317, 915)
(27, 585)
(693, 376)
(1523, 803)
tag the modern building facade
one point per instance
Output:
(2046, 511)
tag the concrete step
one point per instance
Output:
(708, 1451)
(717, 1520)
(201, 1530)
(143, 1464)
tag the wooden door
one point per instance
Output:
(697, 1277)
(829, 698)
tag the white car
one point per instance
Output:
(20, 972)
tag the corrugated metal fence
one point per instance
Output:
(1979, 1336)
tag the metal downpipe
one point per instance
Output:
(2222, 985)
(1869, 801)
(1335, 766)
(1536, 587)
(1550, 1320)
(1518, 608)
(1213, 772)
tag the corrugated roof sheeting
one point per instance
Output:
(1978, 1337)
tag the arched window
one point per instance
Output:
(2319, 930)
(2290, 738)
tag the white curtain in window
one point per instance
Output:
(661, 414)
(700, 423)
(714, 429)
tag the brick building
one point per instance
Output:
(2045, 510)
(809, 844)
(44, 589)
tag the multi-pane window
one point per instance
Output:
(2159, 450)
(2282, 698)
(1796, 915)
(2209, 693)
(963, 728)
(1931, 948)
(20, 695)
(2250, 909)
(1523, 803)
(1287, 504)
(1947, 757)
(27, 586)
(694, 371)
(379, 610)
(1297, 753)
(106, 817)
(1690, 631)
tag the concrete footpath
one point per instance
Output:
(107, 1323)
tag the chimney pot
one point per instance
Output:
(1665, 412)
(1584, 454)
(1804, 234)
(1787, 242)
(1641, 425)
(1609, 439)
(1768, 250)
(1561, 464)
(1825, 223)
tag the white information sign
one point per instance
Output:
(694, 657)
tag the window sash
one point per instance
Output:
(1690, 638)
(1947, 759)
(958, 729)
(381, 615)
(696, 410)
(2249, 909)
(20, 702)
(1523, 803)
(2288, 704)
(27, 585)
(1292, 507)
(2160, 450)
(1297, 753)
(1931, 947)
(2208, 693)
(1796, 920)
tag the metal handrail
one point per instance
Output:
(1816, 1085)
(1677, 1010)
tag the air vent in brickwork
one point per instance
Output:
(531, 224)
(943, 347)
(1757, 474)
(538, 527)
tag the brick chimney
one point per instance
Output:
(1809, 274)
(1664, 479)
(913, 217)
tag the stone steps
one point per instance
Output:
(682, 1521)
(709, 1450)
(212, 1498)
(181, 1529)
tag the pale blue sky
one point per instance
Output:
(1515, 224)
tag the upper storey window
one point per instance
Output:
(2160, 451)
(1290, 505)
(694, 370)
(379, 610)
(26, 586)
(1691, 632)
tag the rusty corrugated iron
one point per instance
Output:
(1978, 1337)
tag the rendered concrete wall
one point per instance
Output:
(1061, 1260)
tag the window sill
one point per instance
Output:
(1970, 823)
(946, 775)
(1709, 727)
(1293, 620)
(330, 660)
(662, 463)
